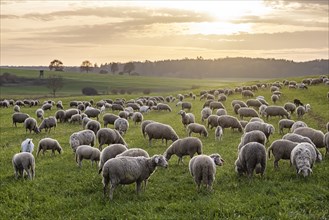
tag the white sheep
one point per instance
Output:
(49, 144)
(24, 161)
(276, 111)
(203, 169)
(39, 112)
(247, 112)
(266, 128)
(27, 146)
(326, 142)
(87, 152)
(93, 125)
(84, 137)
(302, 158)
(127, 170)
(281, 149)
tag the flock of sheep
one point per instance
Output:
(119, 164)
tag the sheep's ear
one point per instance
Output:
(222, 160)
(156, 159)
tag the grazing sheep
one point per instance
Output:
(109, 152)
(298, 124)
(262, 110)
(70, 112)
(144, 124)
(162, 106)
(256, 119)
(93, 125)
(109, 136)
(59, 105)
(117, 107)
(196, 128)
(216, 105)
(316, 136)
(24, 161)
(203, 169)
(19, 117)
(281, 149)
(92, 112)
(247, 93)
(40, 112)
(181, 147)
(243, 123)
(144, 109)
(27, 146)
(236, 108)
(60, 115)
(127, 170)
(252, 156)
(276, 111)
(228, 121)
(241, 103)
(218, 133)
(137, 118)
(285, 123)
(121, 125)
(87, 152)
(302, 110)
(134, 152)
(161, 131)
(109, 118)
(274, 98)
(31, 125)
(125, 114)
(290, 107)
(212, 121)
(205, 113)
(187, 118)
(267, 129)
(252, 136)
(76, 118)
(302, 157)
(46, 106)
(84, 137)
(17, 108)
(221, 111)
(185, 105)
(247, 112)
(48, 123)
(256, 103)
(326, 142)
(49, 144)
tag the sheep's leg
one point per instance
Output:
(112, 187)
(138, 187)
(276, 164)
(16, 173)
(150, 142)
(21, 173)
(80, 161)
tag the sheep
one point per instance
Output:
(222, 98)
(27, 146)
(185, 105)
(121, 125)
(196, 128)
(59, 105)
(276, 111)
(109, 152)
(218, 133)
(109, 118)
(60, 115)
(262, 110)
(221, 111)
(252, 156)
(255, 119)
(162, 106)
(48, 123)
(256, 103)
(205, 113)
(247, 112)
(241, 103)
(87, 152)
(93, 125)
(17, 108)
(216, 105)
(144, 124)
(228, 121)
(124, 114)
(76, 118)
(316, 136)
(109, 136)
(144, 109)
(285, 123)
(252, 136)
(134, 106)
(46, 106)
(236, 108)
(302, 157)
(19, 117)
(84, 137)
(267, 129)
(301, 110)
(212, 121)
(137, 118)
(92, 112)
(274, 98)
(326, 142)
(134, 152)
(298, 124)
(127, 170)
(161, 131)
(49, 144)
(290, 107)
(24, 161)
(187, 118)
(70, 112)
(203, 169)
(31, 125)
(247, 93)
(281, 149)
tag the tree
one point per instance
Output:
(54, 83)
(86, 66)
(114, 67)
(57, 65)
(128, 67)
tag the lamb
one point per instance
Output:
(48, 123)
(267, 129)
(31, 125)
(24, 161)
(161, 131)
(93, 125)
(252, 156)
(144, 124)
(285, 123)
(27, 146)
(298, 124)
(121, 125)
(203, 169)
(84, 137)
(185, 105)
(276, 111)
(205, 113)
(127, 170)
(60, 115)
(187, 118)
(212, 121)
(137, 117)
(301, 110)
(281, 149)
(162, 106)
(19, 117)
(87, 152)
(196, 128)
(252, 136)
(109, 136)
(218, 133)
(92, 112)
(247, 112)
(302, 157)
(181, 147)
(316, 136)
(275, 98)
(109, 118)
(290, 107)
(49, 144)
(134, 152)
(76, 118)
(109, 152)
(70, 112)
(228, 121)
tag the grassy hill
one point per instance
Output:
(61, 190)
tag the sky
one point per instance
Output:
(33, 33)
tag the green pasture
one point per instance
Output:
(61, 190)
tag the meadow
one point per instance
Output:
(61, 190)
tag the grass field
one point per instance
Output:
(61, 190)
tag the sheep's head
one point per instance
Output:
(217, 159)
(305, 171)
(205, 133)
(160, 160)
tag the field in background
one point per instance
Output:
(63, 191)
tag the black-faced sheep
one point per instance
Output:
(49, 144)
(84, 137)
(88, 153)
(19, 117)
(24, 161)
(160, 131)
(196, 128)
(281, 149)
(302, 158)
(297, 102)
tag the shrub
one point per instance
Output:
(89, 91)
(103, 72)
(146, 91)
